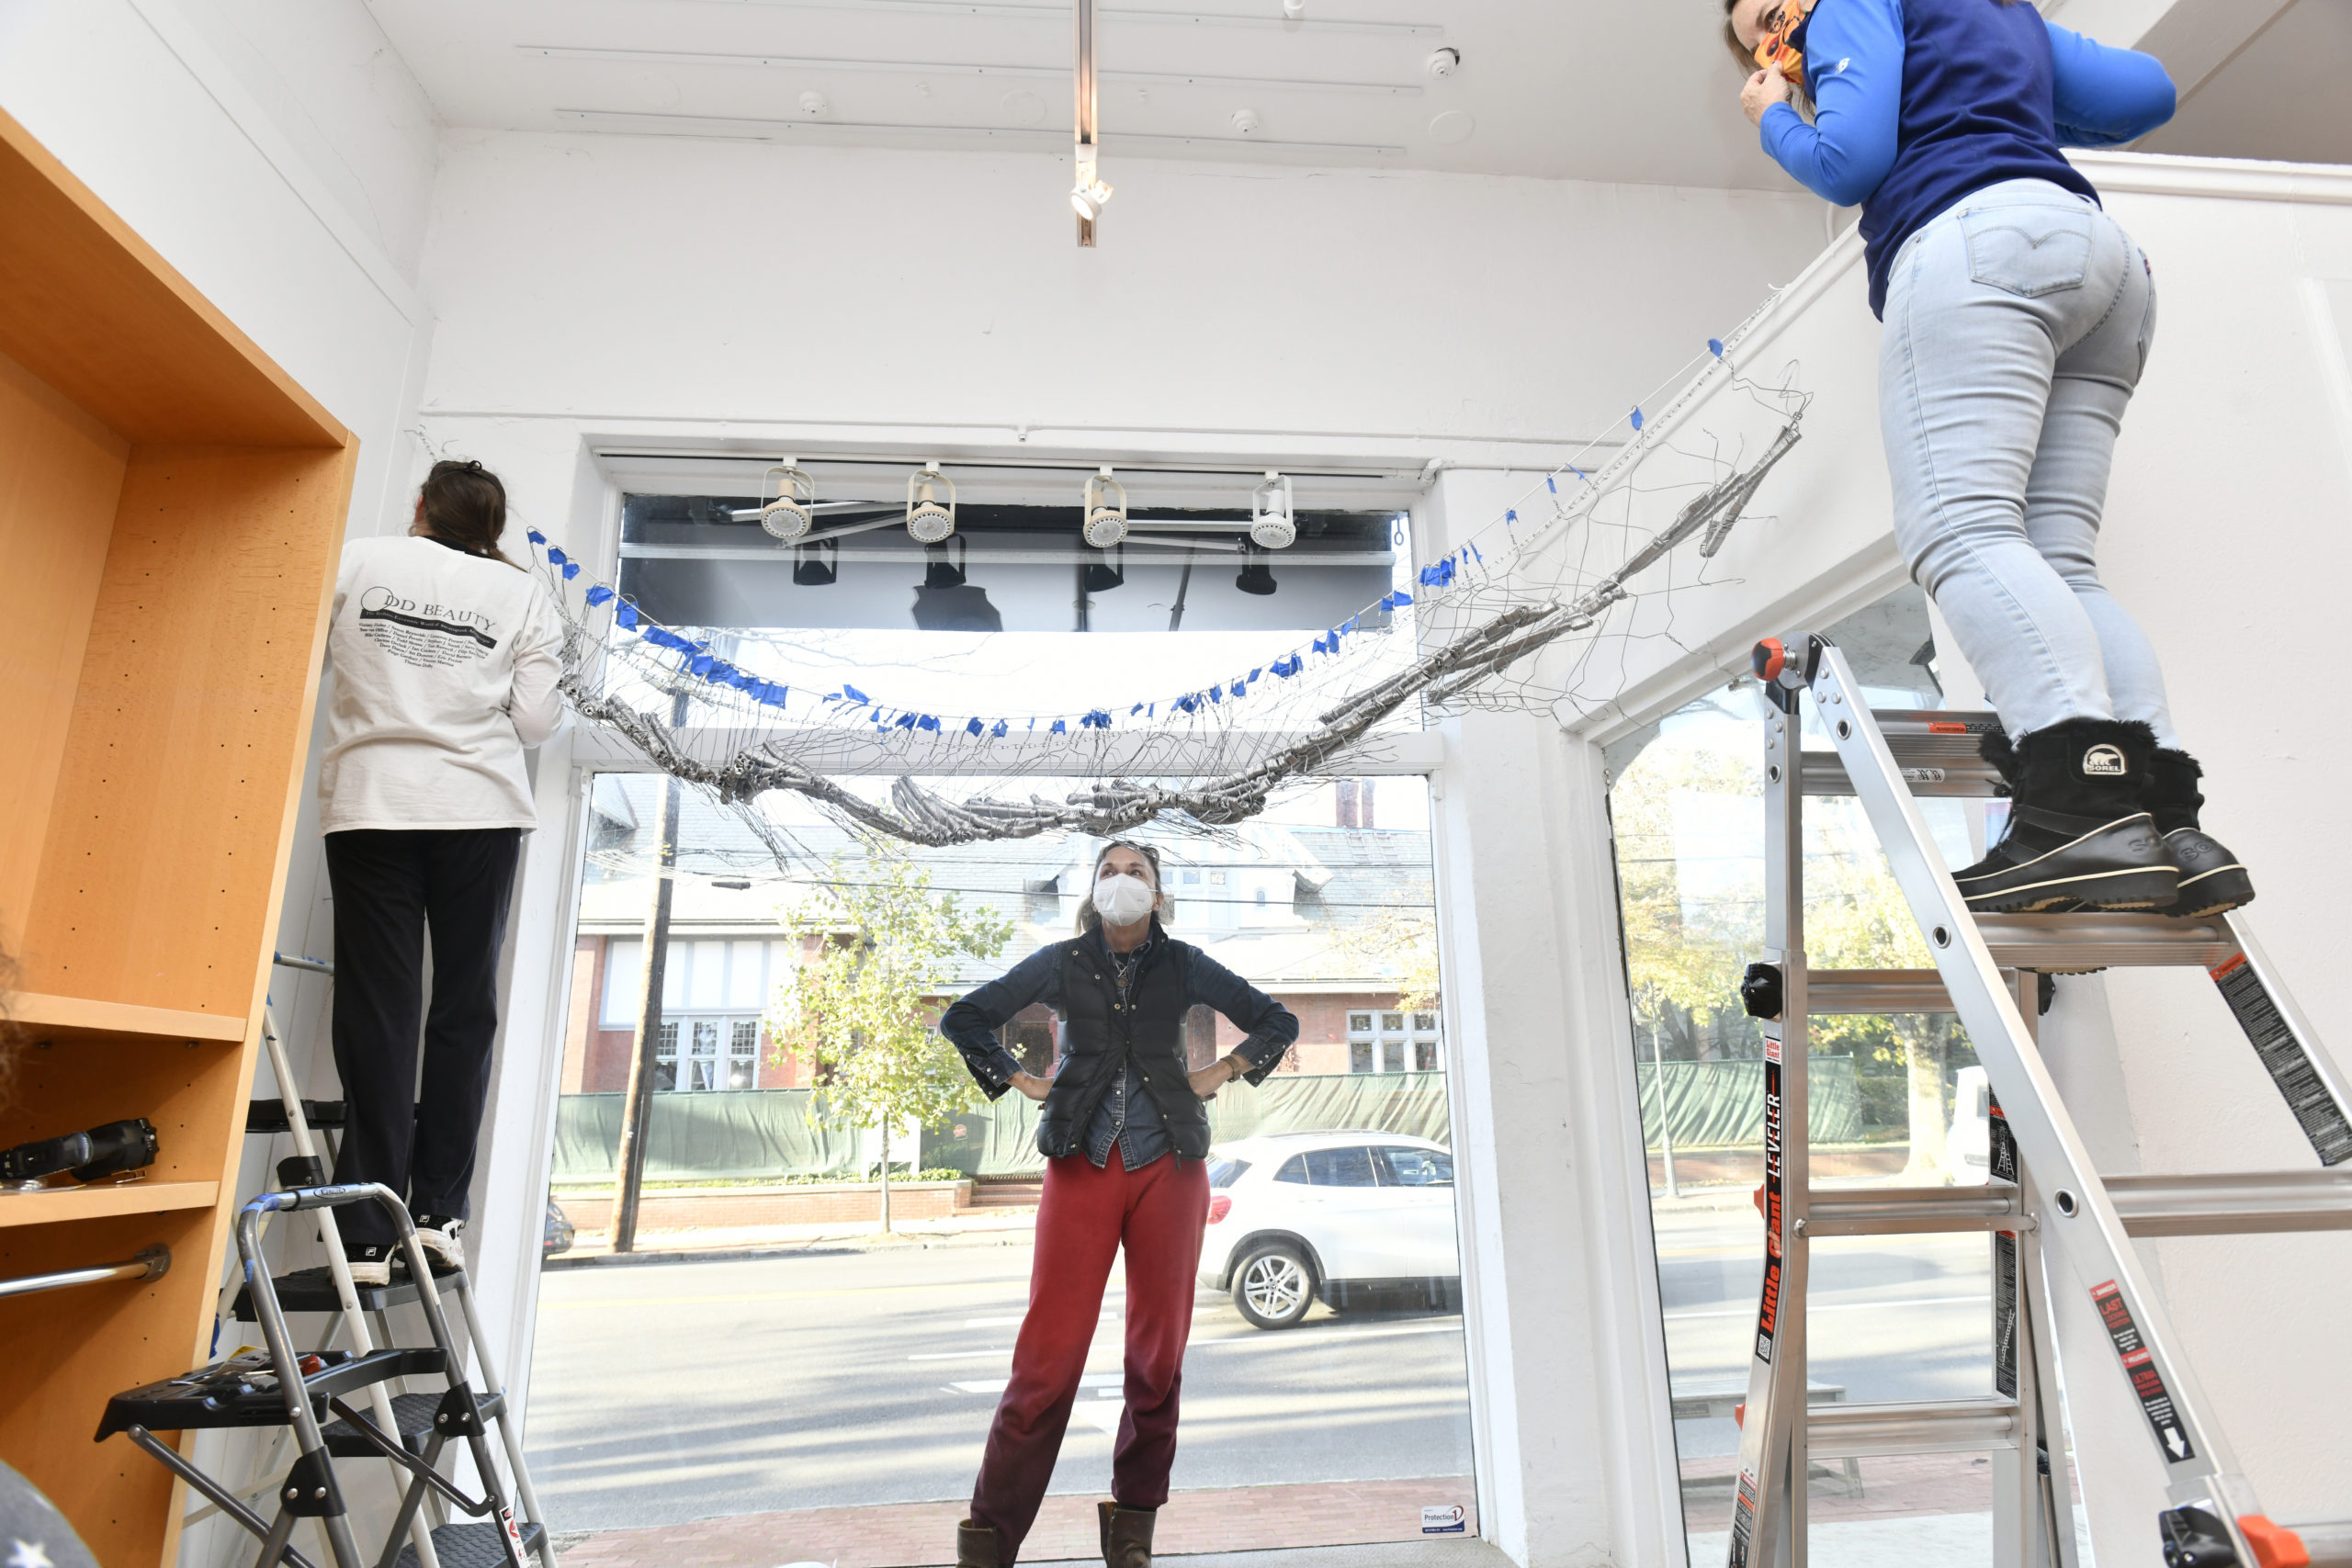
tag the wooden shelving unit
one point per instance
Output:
(171, 510)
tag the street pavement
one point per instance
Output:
(674, 1391)
(669, 1392)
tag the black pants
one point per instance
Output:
(389, 888)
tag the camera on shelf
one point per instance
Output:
(110, 1150)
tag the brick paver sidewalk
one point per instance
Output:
(919, 1535)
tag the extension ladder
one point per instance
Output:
(330, 1291)
(2056, 1222)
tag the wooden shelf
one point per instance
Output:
(105, 1203)
(169, 523)
(62, 1019)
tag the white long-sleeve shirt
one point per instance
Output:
(444, 667)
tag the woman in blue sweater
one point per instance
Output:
(2018, 319)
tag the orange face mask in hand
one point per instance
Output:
(1777, 50)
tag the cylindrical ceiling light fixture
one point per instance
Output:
(1272, 526)
(1087, 197)
(787, 516)
(1106, 523)
(927, 521)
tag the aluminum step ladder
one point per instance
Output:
(2056, 1222)
(328, 1290)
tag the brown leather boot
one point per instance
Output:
(976, 1546)
(1126, 1535)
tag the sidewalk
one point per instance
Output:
(921, 1535)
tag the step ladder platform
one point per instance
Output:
(243, 1391)
(313, 1290)
(469, 1546)
(2054, 944)
(413, 1414)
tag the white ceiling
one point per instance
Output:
(1636, 91)
(1619, 90)
(2281, 96)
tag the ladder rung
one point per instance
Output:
(2059, 943)
(1937, 752)
(1922, 1426)
(2234, 1202)
(2330, 1544)
(1910, 1211)
(1830, 991)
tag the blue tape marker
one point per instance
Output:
(599, 593)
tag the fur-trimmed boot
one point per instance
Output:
(2080, 835)
(1126, 1535)
(976, 1546)
(2211, 880)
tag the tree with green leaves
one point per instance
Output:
(880, 949)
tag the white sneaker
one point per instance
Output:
(371, 1265)
(445, 1242)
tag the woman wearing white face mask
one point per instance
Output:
(1124, 1138)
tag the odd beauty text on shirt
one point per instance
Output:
(423, 634)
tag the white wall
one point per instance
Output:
(290, 186)
(597, 292)
(2227, 534)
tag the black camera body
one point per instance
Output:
(88, 1156)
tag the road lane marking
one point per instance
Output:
(1842, 1306)
(1263, 1339)
(1111, 1381)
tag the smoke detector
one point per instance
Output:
(1444, 62)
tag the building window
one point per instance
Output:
(743, 1055)
(665, 1058)
(1393, 1043)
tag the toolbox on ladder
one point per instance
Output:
(2044, 1194)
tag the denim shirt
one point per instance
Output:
(1127, 1115)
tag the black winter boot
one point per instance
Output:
(1126, 1535)
(2211, 880)
(2079, 835)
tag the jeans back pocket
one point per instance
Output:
(2027, 251)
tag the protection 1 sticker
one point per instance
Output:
(2140, 1366)
(1445, 1518)
(2285, 1059)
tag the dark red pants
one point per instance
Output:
(1158, 1214)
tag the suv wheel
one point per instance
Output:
(1273, 1287)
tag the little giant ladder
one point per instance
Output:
(2043, 1196)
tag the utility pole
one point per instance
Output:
(637, 1096)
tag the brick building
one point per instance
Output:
(1299, 911)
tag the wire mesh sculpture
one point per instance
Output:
(1508, 620)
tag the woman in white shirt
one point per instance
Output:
(446, 656)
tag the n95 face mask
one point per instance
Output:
(1123, 900)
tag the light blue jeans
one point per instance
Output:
(2018, 323)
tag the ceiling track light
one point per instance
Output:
(927, 521)
(1106, 523)
(1272, 524)
(1088, 194)
(790, 513)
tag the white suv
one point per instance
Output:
(1296, 1214)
